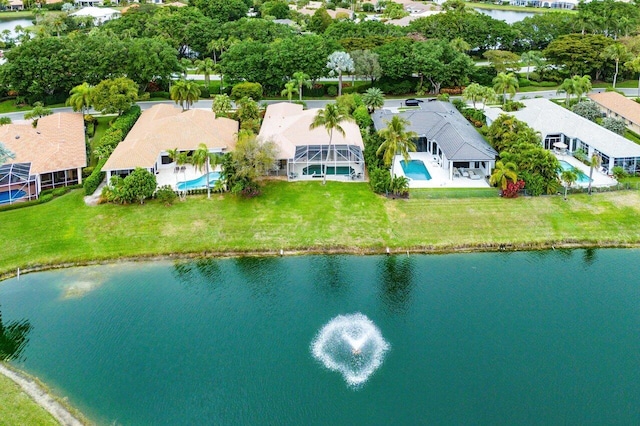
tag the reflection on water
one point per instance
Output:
(329, 274)
(200, 274)
(589, 256)
(13, 338)
(396, 277)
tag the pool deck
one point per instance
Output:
(439, 176)
(599, 178)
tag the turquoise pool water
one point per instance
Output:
(199, 183)
(415, 169)
(582, 178)
(12, 195)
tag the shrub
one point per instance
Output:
(92, 182)
(619, 173)
(368, 7)
(513, 188)
(45, 198)
(523, 82)
(86, 172)
(5, 120)
(615, 125)
(452, 90)
(166, 195)
(204, 92)
(362, 117)
(587, 109)
(160, 94)
(401, 87)
(380, 180)
(60, 191)
(511, 105)
(332, 90)
(247, 90)
(316, 91)
(444, 97)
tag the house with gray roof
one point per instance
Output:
(562, 128)
(454, 144)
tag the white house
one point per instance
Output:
(100, 15)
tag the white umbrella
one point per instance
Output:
(561, 145)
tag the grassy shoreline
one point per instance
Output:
(308, 218)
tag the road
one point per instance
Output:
(206, 104)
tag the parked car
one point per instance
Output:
(413, 102)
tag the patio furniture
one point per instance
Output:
(474, 176)
(176, 169)
(293, 175)
(464, 173)
(456, 172)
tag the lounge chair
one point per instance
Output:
(464, 173)
(456, 172)
(293, 175)
(474, 176)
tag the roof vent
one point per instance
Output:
(17, 136)
(37, 131)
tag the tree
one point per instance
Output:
(616, 52)
(248, 114)
(397, 140)
(185, 92)
(202, 158)
(205, 67)
(588, 110)
(441, 64)
(250, 160)
(5, 154)
(289, 89)
(502, 173)
(330, 117)
(373, 98)
(460, 45)
(582, 85)
(222, 10)
(115, 95)
(140, 184)
(473, 93)
(505, 83)
(568, 86)
(80, 99)
(579, 54)
(616, 125)
(366, 64)
(338, 63)
(487, 95)
(502, 60)
(221, 105)
(301, 79)
(594, 162)
(181, 158)
(277, 8)
(530, 57)
(319, 21)
(38, 111)
(569, 177)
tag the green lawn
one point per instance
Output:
(27, 14)
(102, 126)
(10, 106)
(308, 216)
(17, 408)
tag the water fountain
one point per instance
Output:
(351, 345)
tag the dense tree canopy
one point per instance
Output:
(580, 54)
(222, 10)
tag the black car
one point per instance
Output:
(413, 102)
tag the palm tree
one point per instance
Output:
(397, 140)
(582, 85)
(289, 89)
(594, 162)
(186, 63)
(185, 92)
(181, 158)
(617, 52)
(487, 95)
(330, 118)
(568, 86)
(529, 58)
(502, 173)
(205, 67)
(504, 83)
(473, 93)
(569, 177)
(80, 99)
(203, 158)
(301, 79)
(373, 98)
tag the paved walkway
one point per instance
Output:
(92, 200)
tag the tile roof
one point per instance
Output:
(440, 121)
(619, 104)
(287, 125)
(549, 118)
(58, 143)
(164, 127)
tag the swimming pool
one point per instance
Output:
(582, 178)
(331, 170)
(199, 183)
(415, 169)
(11, 196)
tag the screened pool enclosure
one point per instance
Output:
(336, 161)
(16, 183)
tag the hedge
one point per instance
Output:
(113, 136)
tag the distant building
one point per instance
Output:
(614, 105)
(100, 15)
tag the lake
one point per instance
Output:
(521, 338)
(506, 15)
(10, 24)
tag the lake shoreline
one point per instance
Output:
(358, 251)
(43, 397)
